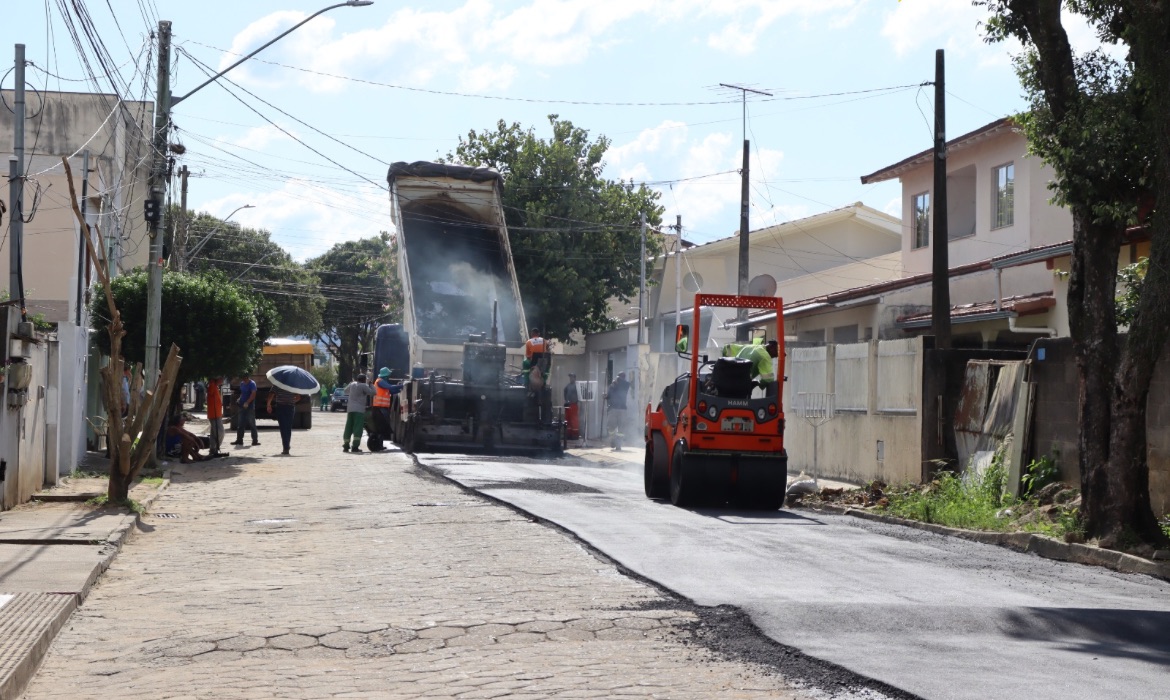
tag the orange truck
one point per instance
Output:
(719, 439)
(277, 352)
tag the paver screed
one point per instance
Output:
(329, 574)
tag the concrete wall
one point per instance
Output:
(857, 444)
(1036, 221)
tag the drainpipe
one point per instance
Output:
(1051, 332)
(999, 289)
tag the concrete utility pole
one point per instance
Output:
(153, 203)
(741, 330)
(162, 120)
(940, 297)
(83, 252)
(16, 192)
(642, 283)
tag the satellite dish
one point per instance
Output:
(693, 282)
(762, 286)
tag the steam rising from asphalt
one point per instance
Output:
(457, 270)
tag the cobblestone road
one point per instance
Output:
(334, 575)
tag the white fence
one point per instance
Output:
(877, 430)
(899, 383)
(851, 377)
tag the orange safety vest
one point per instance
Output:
(381, 396)
(534, 345)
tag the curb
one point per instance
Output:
(51, 611)
(1026, 542)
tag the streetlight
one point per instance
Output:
(262, 257)
(199, 246)
(158, 172)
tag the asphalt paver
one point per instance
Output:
(328, 574)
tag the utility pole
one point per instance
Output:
(678, 270)
(642, 283)
(83, 252)
(153, 203)
(158, 171)
(940, 297)
(16, 192)
(180, 252)
(741, 330)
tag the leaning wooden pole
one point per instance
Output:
(142, 418)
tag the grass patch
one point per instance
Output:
(156, 480)
(977, 501)
(129, 503)
(81, 474)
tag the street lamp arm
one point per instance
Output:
(217, 76)
(198, 247)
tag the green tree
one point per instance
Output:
(362, 291)
(1100, 123)
(575, 235)
(262, 267)
(215, 325)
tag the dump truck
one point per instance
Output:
(459, 351)
(276, 352)
(716, 436)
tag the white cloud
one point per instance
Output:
(470, 40)
(662, 140)
(939, 23)
(259, 137)
(487, 78)
(307, 219)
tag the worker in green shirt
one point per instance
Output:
(760, 354)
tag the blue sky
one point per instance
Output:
(402, 80)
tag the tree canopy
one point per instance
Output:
(261, 266)
(216, 326)
(1099, 121)
(575, 235)
(359, 280)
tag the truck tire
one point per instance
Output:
(303, 421)
(656, 469)
(682, 484)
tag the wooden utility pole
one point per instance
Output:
(940, 271)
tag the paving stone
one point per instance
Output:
(292, 641)
(189, 649)
(441, 633)
(242, 643)
(318, 631)
(540, 626)
(342, 640)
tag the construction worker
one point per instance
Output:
(383, 391)
(761, 355)
(536, 347)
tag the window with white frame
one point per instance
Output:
(1003, 186)
(921, 220)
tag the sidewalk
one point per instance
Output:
(341, 575)
(51, 554)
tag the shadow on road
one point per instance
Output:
(1100, 632)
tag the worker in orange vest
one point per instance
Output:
(536, 347)
(384, 389)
